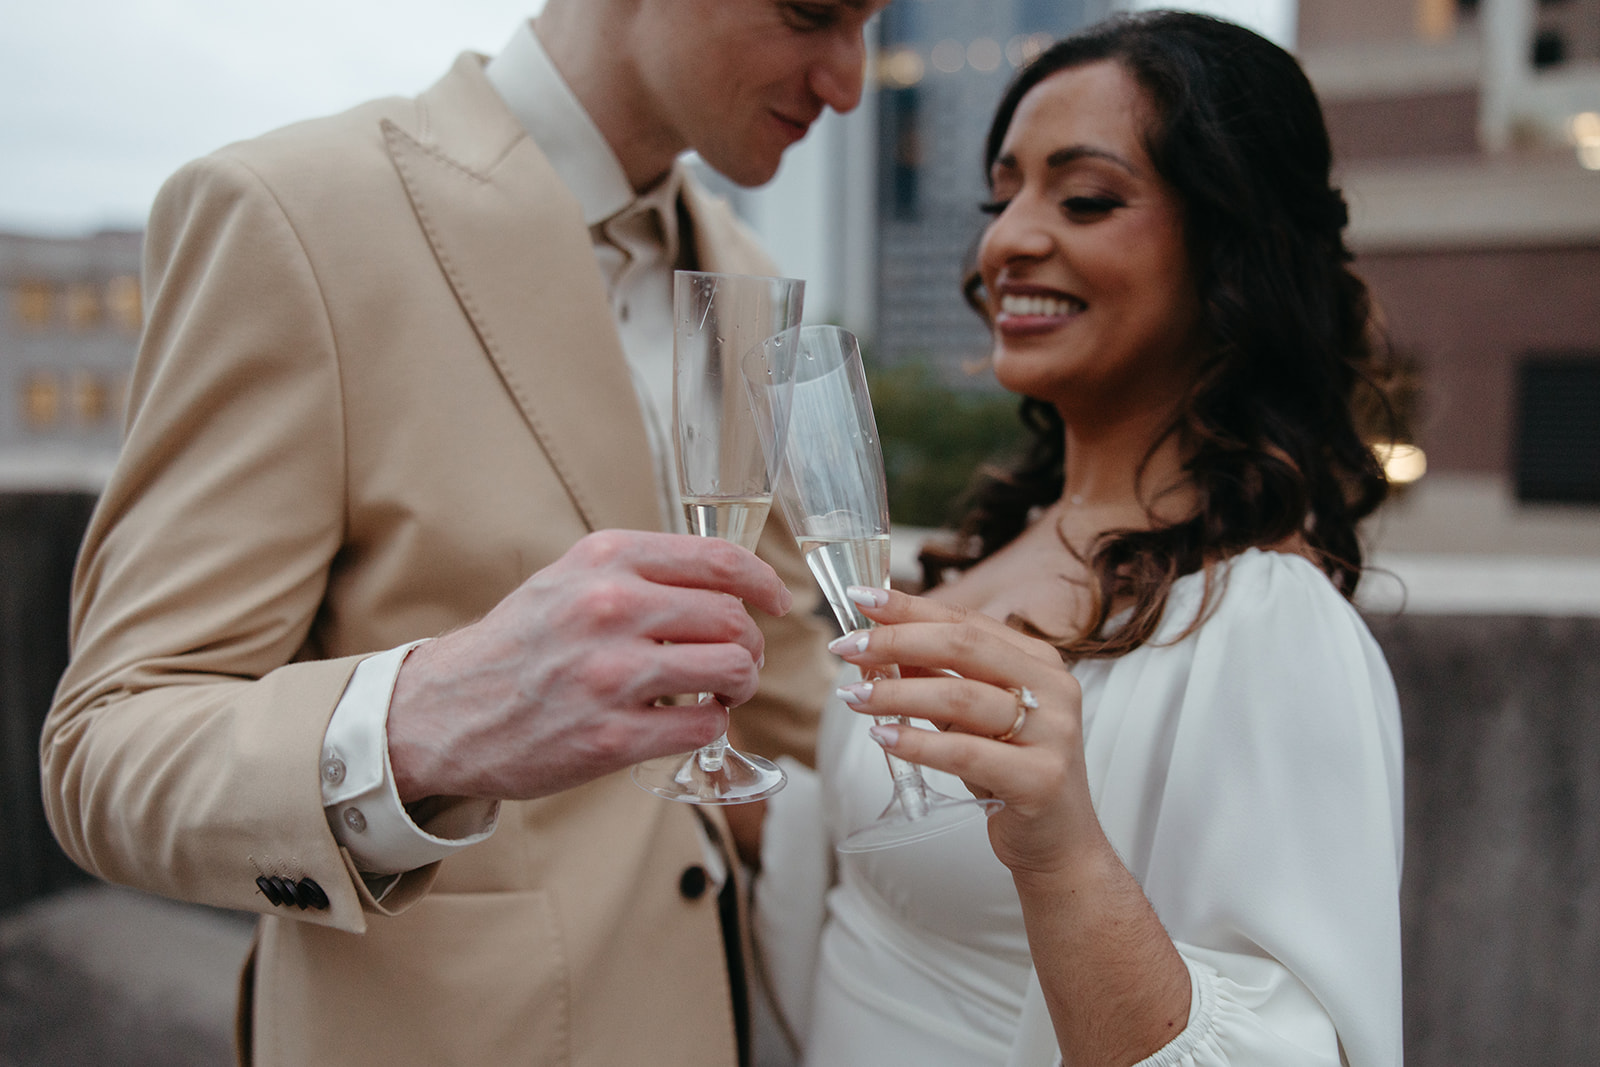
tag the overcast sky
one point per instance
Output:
(100, 100)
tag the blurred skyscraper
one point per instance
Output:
(942, 65)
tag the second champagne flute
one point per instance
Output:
(722, 477)
(809, 391)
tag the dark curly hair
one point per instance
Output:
(1269, 429)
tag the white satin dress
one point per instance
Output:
(1250, 778)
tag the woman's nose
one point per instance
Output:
(1015, 233)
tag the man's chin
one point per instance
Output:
(747, 173)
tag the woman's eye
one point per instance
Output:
(1091, 206)
(994, 207)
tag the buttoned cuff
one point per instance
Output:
(359, 796)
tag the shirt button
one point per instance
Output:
(333, 770)
(355, 820)
(693, 882)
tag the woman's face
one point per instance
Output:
(1087, 278)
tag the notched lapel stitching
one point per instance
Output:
(393, 134)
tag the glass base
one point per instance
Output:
(897, 827)
(739, 780)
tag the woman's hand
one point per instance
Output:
(1048, 824)
(1115, 985)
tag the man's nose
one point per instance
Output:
(837, 77)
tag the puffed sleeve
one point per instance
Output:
(1252, 783)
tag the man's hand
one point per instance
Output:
(557, 684)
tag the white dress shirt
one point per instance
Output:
(636, 249)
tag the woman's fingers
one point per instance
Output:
(970, 706)
(888, 607)
(973, 647)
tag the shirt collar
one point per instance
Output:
(527, 80)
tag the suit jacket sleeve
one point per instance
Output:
(181, 754)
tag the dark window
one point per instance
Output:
(1558, 431)
(899, 24)
(901, 142)
(1055, 17)
(1549, 49)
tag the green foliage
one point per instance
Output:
(935, 438)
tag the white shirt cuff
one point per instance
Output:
(358, 791)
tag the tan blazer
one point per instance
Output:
(380, 387)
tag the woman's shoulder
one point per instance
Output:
(1260, 590)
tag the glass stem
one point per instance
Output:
(710, 756)
(909, 788)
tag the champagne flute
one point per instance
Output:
(723, 479)
(809, 392)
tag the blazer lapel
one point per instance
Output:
(510, 239)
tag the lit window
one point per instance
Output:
(91, 399)
(41, 399)
(83, 306)
(949, 56)
(900, 68)
(1402, 463)
(122, 301)
(984, 54)
(1436, 19)
(32, 303)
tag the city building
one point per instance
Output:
(70, 315)
(1467, 140)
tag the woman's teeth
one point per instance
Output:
(1014, 304)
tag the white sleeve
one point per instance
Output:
(358, 791)
(1265, 825)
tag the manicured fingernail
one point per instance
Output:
(786, 601)
(855, 641)
(762, 661)
(887, 736)
(855, 694)
(867, 596)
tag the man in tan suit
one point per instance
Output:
(382, 552)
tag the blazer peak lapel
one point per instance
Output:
(511, 241)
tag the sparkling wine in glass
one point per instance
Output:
(809, 392)
(723, 479)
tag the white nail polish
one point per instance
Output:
(884, 735)
(867, 596)
(855, 641)
(856, 694)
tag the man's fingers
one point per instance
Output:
(696, 563)
(672, 670)
(668, 730)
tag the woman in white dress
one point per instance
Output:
(1158, 668)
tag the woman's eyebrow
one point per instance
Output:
(1061, 157)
